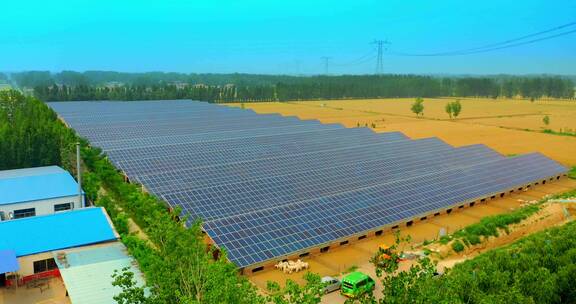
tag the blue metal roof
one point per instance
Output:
(8, 261)
(56, 231)
(32, 184)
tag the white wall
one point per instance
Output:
(43, 207)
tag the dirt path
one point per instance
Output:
(133, 228)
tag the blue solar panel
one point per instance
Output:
(265, 234)
(269, 186)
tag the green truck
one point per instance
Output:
(356, 283)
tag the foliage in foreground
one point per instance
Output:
(540, 268)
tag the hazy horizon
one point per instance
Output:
(259, 37)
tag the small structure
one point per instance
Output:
(37, 191)
(69, 256)
(33, 241)
(87, 272)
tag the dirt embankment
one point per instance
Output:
(551, 214)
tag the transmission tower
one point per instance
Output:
(380, 45)
(326, 64)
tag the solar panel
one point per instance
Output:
(262, 235)
(269, 186)
(276, 190)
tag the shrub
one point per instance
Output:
(457, 246)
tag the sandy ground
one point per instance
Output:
(56, 294)
(500, 124)
(338, 261)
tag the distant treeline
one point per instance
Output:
(66, 86)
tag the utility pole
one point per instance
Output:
(79, 172)
(380, 45)
(326, 64)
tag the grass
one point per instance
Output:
(351, 269)
(572, 173)
(491, 225)
(548, 131)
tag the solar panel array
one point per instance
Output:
(267, 186)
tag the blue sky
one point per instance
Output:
(256, 36)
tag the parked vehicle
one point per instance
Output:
(330, 284)
(356, 284)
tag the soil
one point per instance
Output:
(508, 126)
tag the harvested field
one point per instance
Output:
(509, 126)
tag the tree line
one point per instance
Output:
(30, 134)
(318, 87)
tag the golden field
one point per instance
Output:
(508, 126)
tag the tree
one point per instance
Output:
(292, 293)
(456, 108)
(546, 120)
(131, 293)
(418, 106)
(453, 108)
(448, 109)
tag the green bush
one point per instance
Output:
(457, 246)
(490, 226)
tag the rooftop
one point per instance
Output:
(32, 184)
(87, 273)
(58, 231)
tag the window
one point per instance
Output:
(44, 265)
(62, 207)
(378, 233)
(343, 243)
(2, 216)
(305, 254)
(24, 213)
(361, 237)
(324, 249)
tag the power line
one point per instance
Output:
(326, 64)
(362, 59)
(499, 45)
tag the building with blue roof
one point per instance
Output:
(33, 240)
(37, 191)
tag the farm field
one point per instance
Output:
(509, 126)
